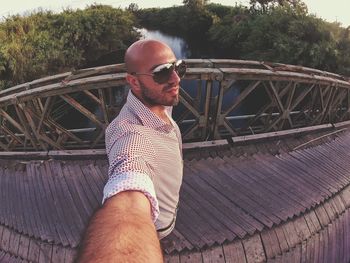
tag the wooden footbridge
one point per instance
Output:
(266, 154)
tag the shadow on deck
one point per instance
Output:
(249, 203)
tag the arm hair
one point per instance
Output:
(122, 231)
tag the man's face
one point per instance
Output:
(156, 94)
(152, 93)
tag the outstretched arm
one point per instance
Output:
(122, 231)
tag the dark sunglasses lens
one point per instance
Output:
(163, 76)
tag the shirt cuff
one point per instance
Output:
(132, 181)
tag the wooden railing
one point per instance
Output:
(218, 99)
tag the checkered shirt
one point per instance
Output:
(145, 154)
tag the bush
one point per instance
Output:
(44, 43)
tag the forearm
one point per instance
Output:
(120, 234)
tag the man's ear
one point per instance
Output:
(133, 81)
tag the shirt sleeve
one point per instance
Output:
(132, 181)
(130, 168)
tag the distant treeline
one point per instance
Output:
(45, 43)
(269, 30)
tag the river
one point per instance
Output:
(177, 44)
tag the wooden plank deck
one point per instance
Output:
(293, 207)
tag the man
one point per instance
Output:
(145, 162)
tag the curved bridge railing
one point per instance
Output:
(218, 99)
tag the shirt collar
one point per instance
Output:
(147, 117)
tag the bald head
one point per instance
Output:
(141, 58)
(141, 52)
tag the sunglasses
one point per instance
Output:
(162, 73)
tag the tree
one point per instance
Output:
(195, 5)
(344, 52)
(43, 43)
(265, 5)
(284, 35)
(133, 8)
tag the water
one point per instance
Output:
(177, 44)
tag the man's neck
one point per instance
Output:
(160, 111)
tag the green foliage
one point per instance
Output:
(220, 10)
(270, 30)
(44, 43)
(134, 8)
(230, 32)
(94, 31)
(180, 21)
(344, 52)
(281, 35)
(284, 33)
(195, 5)
(263, 6)
(24, 49)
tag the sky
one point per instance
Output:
(331, 11)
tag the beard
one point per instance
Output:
(154, 97)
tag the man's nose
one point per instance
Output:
(174, 78)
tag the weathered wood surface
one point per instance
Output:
(256, 207)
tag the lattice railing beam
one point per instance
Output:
(263, 97)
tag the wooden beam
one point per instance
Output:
(197, 100)
(263, 74)
(348, 106)
(30, 120)
(276, 97)
(11, 120)
(105, 81)
(205, 124)
(263, 136)
(54, 125)
(92, 96)
(268, 105)
(47, 108)
(205, 144)
(189, 107)
(327, 107)
(182, 117)
(4, 146)
(301, 96)
(187, 96)
(27, 130)
(77, 153)
(340, 97)
(289, 103)
(98, 138)
(82, 109)
(229, 127)
(325, 98)
(33, 84)
(103, 106)
(216, 122)
(190, 130)
(12, 135)
(243, 95)
(284, 111)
